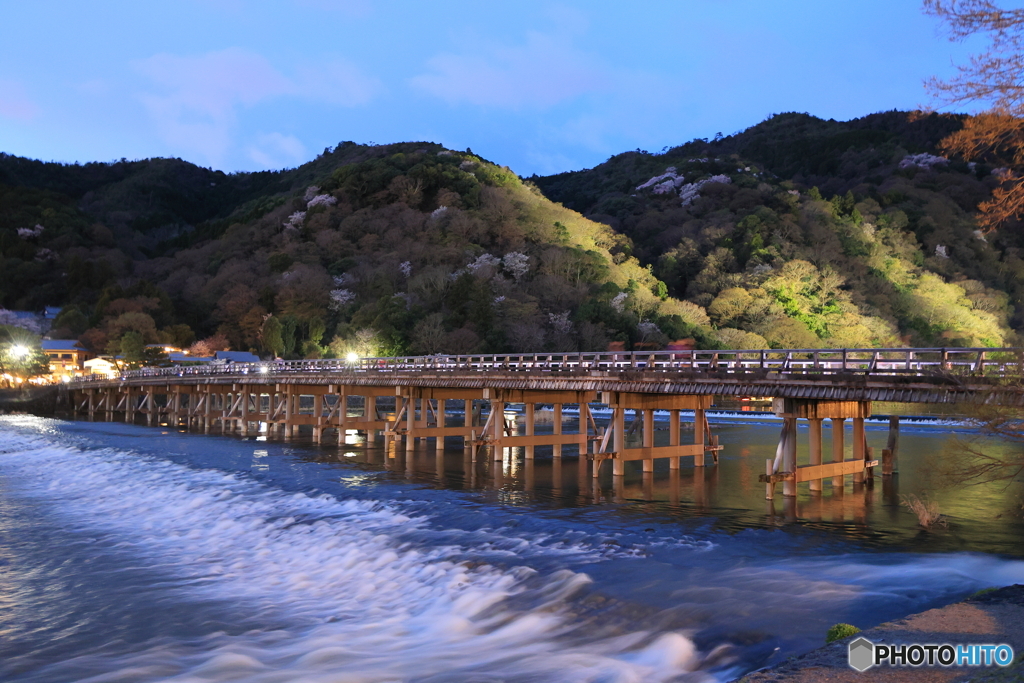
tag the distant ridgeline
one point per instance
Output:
(796, 233)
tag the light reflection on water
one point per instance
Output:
(985, 518)
(140, 558)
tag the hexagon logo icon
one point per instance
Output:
(861, 655)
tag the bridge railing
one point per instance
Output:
(999, 362)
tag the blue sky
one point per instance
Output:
(539, 86)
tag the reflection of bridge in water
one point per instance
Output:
(569, 481)
(408, 399)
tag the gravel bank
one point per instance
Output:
(994, 617)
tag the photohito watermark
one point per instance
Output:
(863, 654)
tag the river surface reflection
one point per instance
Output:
(135, 553)
(981, 517)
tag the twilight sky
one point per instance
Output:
(539, 86)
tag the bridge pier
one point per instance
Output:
(615, 436)
(785, 468)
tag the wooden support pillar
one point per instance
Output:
(92, 402)
(529, 408)
(584, 431)
(342, 407)
(498, 427)
(648, 441)
(176, 407)
(815, 448)
(318, 411)
(673, 437)
(467, 444)
(556, 428)
(789, 457)
(289, 406)
(207, 411)
(410, 424)
(439, 407)
(370, 413)
(698, 435)
(619, 440)
(244, 427)
(343, 415)
(858, 447)
(893, 446)
(225, 407)
(838, 448)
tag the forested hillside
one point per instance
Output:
(385, 249)
(801, 232)
(798, 232)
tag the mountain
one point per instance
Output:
(797, 232)
(802, 232)
(383, 249)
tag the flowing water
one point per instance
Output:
(131, 553)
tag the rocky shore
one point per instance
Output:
(988, 617)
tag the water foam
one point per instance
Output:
(353, 601)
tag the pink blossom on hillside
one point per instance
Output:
(483, 261)
(516, 264)
(561, 322)
(294, 221)
(321, 200)
(28, 233)
(340, 297)
(923, 160)
(619, 302)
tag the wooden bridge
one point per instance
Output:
(406, 398)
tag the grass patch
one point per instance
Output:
(840, 631)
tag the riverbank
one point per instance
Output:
(993, 617)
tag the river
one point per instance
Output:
(132, 553)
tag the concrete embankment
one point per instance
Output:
(994, 617)
(35, 400)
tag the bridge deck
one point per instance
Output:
(899, 375)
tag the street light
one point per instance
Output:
(352, 357)
(19, 351)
